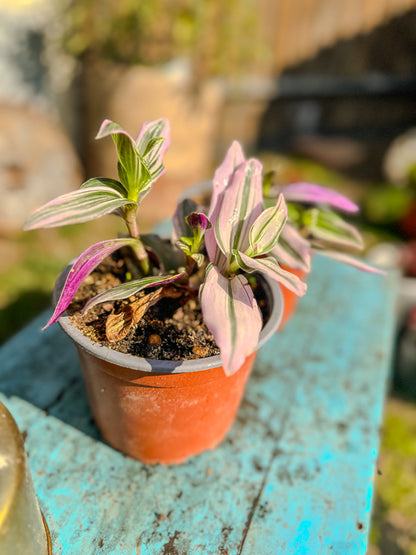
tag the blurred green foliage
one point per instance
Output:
(219, 36)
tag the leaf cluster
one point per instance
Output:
(213, 252)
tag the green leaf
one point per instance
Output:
(140, 162)
(126, 290)
(328, 226)
(107, 182)
(264, 233)
(78, 206)
(269, 266)
(133, 172)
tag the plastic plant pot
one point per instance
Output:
(290, 299)
(160, 411)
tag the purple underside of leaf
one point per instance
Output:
(232, 315)
(130, 288)
(316, 194)
(233, 158)
(269, 266)
(239, 206)
(82, 267)
(350, 260)
(197, 220)
(77, 207)
(293, 250)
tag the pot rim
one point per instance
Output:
(159, 366)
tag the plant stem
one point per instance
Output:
(138, 249)
(233, 267)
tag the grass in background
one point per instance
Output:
(30, 263)
(393, 530)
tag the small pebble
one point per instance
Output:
(154, 339)
(200, 351)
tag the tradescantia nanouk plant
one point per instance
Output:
(211, 255)
(236, 238)
(314, 226)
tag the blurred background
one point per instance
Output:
(319, 90)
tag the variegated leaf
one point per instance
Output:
(293, 250)
(310, 193)
(264, 233)
(328, 226)
(135, 172)
(82, 267)
(130, 288)
(232, 315)
(269, 266)
(107, 182)
(152, 142)
(109, 127)
(233, 158)
(78, 206)
(239, 206)
(132, 171)
(351, 261)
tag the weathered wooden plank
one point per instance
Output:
(91, 495)
(317, 493)
(294, 475)
(38, 365)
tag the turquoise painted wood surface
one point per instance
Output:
(294, 476)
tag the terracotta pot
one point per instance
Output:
(161, 411)
(290, 299)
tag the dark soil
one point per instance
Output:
(172, 329)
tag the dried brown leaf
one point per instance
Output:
(118, 325)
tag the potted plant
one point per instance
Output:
(218, 279)
(314, 225)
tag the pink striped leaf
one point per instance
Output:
(265, 231)
(82, 267)
(350, 260)
(140, 164)
(152, 142)
(293, 250)
(238, 207)
(232, 315)
(99, 197)
(328, 226)
(310, 193)
(222, 175)
(126, 290)
(269, 266)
